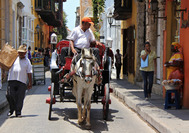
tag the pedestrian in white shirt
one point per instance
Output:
(17, 82)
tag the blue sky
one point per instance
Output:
(70, 8)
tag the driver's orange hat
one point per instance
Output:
(87, 19)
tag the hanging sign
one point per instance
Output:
(53, 38)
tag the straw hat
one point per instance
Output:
(22, 48)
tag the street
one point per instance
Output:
(35, 116)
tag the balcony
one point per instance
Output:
(123, 9)
(50, 11)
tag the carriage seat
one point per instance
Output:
(68, 63)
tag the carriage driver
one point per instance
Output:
(81, 37)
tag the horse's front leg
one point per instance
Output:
(84, 111)
(79, 105)
(85, 104)
(88, 105)
(88, 124)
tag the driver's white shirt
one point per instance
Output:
(81, 39)
(20, 69)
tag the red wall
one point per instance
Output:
(184, 40)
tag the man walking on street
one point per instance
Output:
(118, 63)
(17, 80)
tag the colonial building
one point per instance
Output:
(177, 30)
(110, 28)
(26, 23)
(7, 15)
(140, 23)
(50, 12)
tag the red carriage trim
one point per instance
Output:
(63, 43)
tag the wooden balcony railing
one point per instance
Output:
(50, 11)
(123, 9)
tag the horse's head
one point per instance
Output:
(87, 65)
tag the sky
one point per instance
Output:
(70, 8)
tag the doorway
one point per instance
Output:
(128, 50)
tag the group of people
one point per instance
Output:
(174, 64)
(81, 37)
(40, 53)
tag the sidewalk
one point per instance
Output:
(165, 121)
(3, 100)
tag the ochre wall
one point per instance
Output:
(169, 34)
(124, 25)
(184, 40)
(44, 28)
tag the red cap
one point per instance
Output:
(87, 19)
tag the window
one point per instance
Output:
(28, 31)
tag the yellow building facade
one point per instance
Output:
(129, 26)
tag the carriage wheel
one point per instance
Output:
(106, 103)
(51, 102)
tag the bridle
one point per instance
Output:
(82, 68)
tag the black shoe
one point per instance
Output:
(9, 113)
(19, 116)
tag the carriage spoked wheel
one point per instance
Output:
(61, 93)
(51, 102)
(106, 102)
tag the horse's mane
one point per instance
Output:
(87, 54)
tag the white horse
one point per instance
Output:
(83, 84)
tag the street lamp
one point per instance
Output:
(37, 29)
(110, 18)
(109, 42)
(53, 41)
(154, 5)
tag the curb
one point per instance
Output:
(3, 105)
(142, 108)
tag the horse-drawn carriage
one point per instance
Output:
(60, 91)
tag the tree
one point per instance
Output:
(98, 9)
(63, 30)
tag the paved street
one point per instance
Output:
(35, 117)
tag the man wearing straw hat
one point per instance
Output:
(17, 81)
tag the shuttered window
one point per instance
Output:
(28, 31)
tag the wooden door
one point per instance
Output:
(129, 50)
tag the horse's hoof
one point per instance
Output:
(81, 122)
(88, 127)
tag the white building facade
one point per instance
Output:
(28, 29)
(113, 32)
